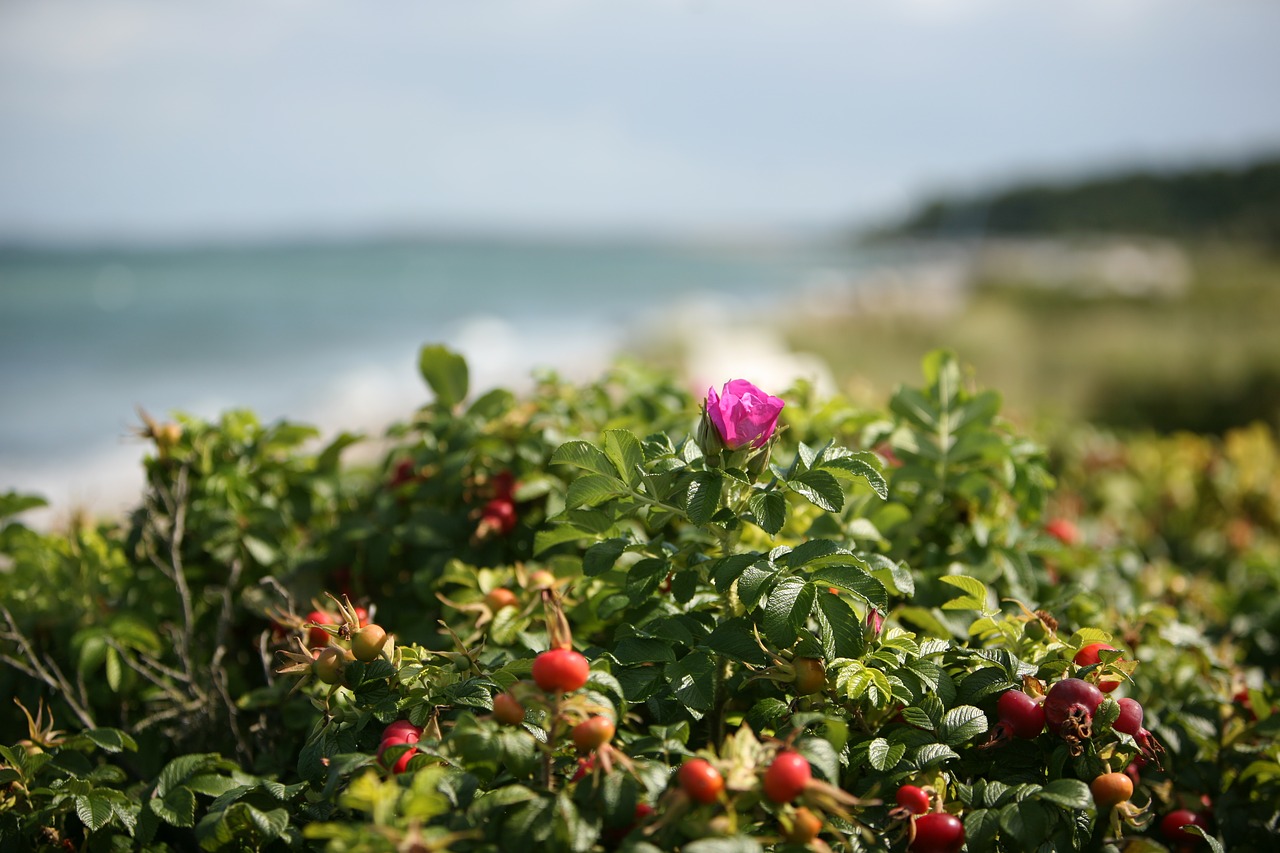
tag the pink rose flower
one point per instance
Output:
(743, 414)
(875, 621)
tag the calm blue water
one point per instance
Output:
(323, 334)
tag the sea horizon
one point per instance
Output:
(327, 333)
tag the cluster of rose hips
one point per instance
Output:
(499, 516)
(787, 782)
(929, 831)
(399, 733)
(334, 642)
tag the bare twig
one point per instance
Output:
(219, 652)
(47, 670)
(137, 666)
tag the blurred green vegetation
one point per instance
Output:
(1241, 203)
(1204, 358)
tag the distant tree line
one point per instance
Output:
(1229, 203)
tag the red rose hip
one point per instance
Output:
(702, 782)
(787, 777)
(561, 670)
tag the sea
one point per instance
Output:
(328, 334)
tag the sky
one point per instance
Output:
(155, 122)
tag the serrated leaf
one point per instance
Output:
(1026, 821)
(634, 650)
(592, 489)
(769, 509)
(584, 454)
(852, 469)
(600, 557)
(623, 450)
(819, 488)
(702, 497)
(734, 639)
(94, 811)
(182, 768)
(550, 537)
(981, 827)
(884, 569)
(445, 373)
(1068, 793)
(961, 724)
(177, 807)
(933, 754)
(918, 717)
(727, 569)
(692, 679)
(787, 610)
(856, 580)
(884, 756)
(841, 629)
(111, 740)
(981, 683)
(1214, 844)
(975, 593)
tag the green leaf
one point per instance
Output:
(933, 754)
(840, 627)
(733, 639)
(884, 569)
(1214, 844)
(623, 450)
(919, 718)
(549, 538)
(769, 510)
(583, 454)
(962, 723)
(856, 580)
(592, 489)
(12, 503)
(177, 807)
(819, 488)
(262, 553)
(1026, 821)
(111, 740)
(93, 810)
(980, 828)
(883, 755)
(981, 683)
(692, 678)
(851, 468)
(492, 404)
(633, 650)
(702, 498)
(445, 372)
(114, 670)
(975, 593)
(183, 768)
(787, 611)
(726, 570)
(915, 408)
(1068, 793)
(601, 556)
(332, 454)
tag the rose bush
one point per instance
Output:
(812, 632)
